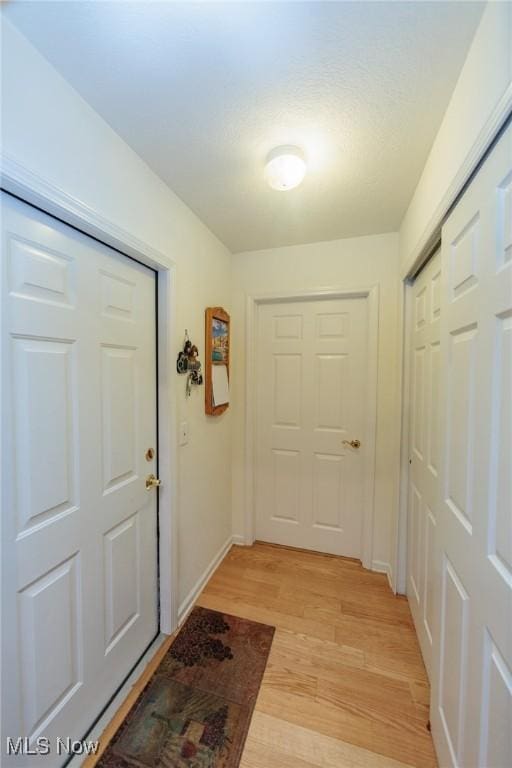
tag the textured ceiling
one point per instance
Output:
(202, 92)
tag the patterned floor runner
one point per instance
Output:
(196, 709)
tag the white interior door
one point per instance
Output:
(311, 396)
(471, 706)
(79, 529)
(423, 492)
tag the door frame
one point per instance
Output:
(31, 188)
(371, 294)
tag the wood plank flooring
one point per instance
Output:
(345, 685)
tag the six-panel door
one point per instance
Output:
(423, 491)
(311, 394)
(472, 661)
(79, 528)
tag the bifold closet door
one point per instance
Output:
(423, 491)
(471, 706)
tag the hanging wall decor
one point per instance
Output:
(217, 341)
(188, 362)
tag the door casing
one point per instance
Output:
(371, 294)
(31, 188)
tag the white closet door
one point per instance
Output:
(311, 402)
(472, 670)
(79, 542)
(423, 500)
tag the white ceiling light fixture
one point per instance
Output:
(285, 168)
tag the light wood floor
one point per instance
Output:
(345, 686)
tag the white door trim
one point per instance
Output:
(372, 295)
(42, 193)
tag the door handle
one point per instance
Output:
(353, 443)
(152, 482)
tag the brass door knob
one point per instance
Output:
(152, 482)
(353, 443)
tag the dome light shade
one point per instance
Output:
(285, 168)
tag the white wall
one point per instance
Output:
(48, 128)
(483, 82)
(354, 263)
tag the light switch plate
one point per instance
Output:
(184, 433)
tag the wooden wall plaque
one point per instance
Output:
(216, 367)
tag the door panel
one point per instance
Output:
(122, 592)
(79, 529)
(286, 400)
(460, 424)
(453, 661)
(328, 491)
(471, 706)
(433, 399)
(51, 644)
(40, 412)
(501, 478)
(286, 474)
(119, 416)
(331, 391)
(496, 743)
(422, 566)
(311, 393)
(430, 584)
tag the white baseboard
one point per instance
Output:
(238, 540)
(188, 602)
(381, 567)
